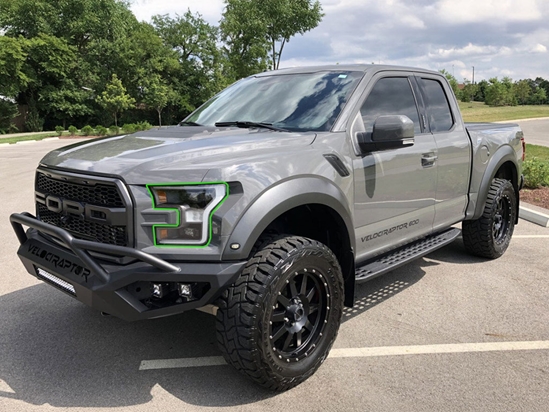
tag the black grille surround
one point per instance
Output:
(89, 208)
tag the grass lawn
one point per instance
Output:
(44, 135)
(540, 152)
(479, 112)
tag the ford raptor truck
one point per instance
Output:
(269, 203)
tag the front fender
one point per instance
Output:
(279, 199)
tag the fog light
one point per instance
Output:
(158, 290)
(185, 290)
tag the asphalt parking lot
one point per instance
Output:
(448, 332)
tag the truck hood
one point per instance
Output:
(172, 154)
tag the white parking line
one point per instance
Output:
(365, 353)
(530, 236)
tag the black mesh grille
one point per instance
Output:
(112, 235)
(100, 194)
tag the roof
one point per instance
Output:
(344, 67)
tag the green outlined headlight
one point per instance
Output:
(195, 204)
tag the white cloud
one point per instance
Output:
(538, 48)
(469, 50)
(498, 37)
(488, 11)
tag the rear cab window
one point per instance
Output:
(439, 114)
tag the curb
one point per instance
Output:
(534, 216)
(522, 120)
(26, 141)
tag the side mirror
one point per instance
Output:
(389, 132)
(392, 128)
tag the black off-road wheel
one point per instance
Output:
(278, 321)
(490, 235)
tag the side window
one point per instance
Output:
(390, 95)
(438, 108)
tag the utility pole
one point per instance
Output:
(473, 88)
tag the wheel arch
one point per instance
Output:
(503, 164)
(311, 207)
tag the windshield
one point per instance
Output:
(297, 102)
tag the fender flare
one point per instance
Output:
(277, 200)
(503, 155)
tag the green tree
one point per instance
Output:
(522, 91)
(199, 74)
(189, 35)
(12, 62)
(286, 18)
(539, 97)
(480, 95)
(495, 93)
(453, 82)
(500, 93)
(8, 110)
(70, 50)
(256, 28)
(115, 99)
(243, 33)
(157, 95)
(543, 84)
(468, 92)
(511, 99)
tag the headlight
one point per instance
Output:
(195, 205)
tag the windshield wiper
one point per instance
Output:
(245, 125)
(190, 124)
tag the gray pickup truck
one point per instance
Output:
(269, 202)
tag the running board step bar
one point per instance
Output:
(404, 255)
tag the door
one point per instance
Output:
(453, 152)
(394, 189)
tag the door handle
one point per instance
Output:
(428, 159)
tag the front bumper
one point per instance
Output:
(79, 271)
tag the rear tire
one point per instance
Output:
(278, 321)
(490, 235)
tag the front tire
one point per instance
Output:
(278, 321)
(490, 235)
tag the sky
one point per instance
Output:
(497, 37)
